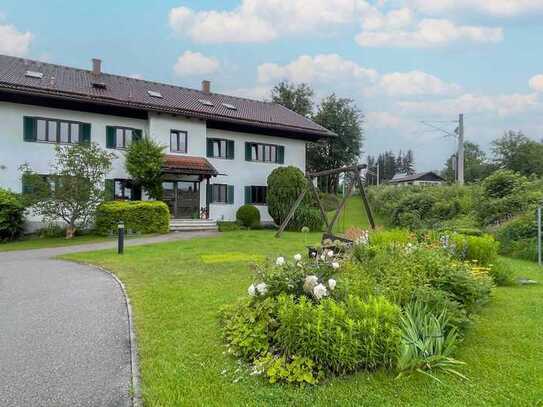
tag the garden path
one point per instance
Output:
(64, 329)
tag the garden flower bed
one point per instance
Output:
(392, 301)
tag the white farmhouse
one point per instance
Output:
(220, 149)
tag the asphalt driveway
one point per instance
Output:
(64, 330)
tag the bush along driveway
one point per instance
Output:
(65, 334)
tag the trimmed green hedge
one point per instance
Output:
(137, 216)
(11, 215)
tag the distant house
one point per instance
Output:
(422, 178)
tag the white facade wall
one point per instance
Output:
(14, 151)
(241, 173)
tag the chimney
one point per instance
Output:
(206, 86)
(96, 66)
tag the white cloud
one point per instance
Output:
(416, 83)
(497, 8)
(536, 83)
(428, 33)
(502, 105)
(195, 63)
(331, 68)
(13, 42)
(320, 68)
(262, 21)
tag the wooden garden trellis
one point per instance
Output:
(355, 171)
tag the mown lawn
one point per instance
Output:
(35, 242)
(177, 289)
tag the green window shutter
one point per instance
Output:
(209, 193)
(230, 194)
(136, 135)
(136, 192)
(29, 128)
(85, 133)
(280, 154)
(230, 149)
(110, 190)
(26, 188)
(248, 199)
(210, 148)
(110, 137)
(248, 151)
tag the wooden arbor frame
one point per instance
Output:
(355, 171)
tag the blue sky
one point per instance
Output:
(400, 61)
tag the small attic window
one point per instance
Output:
(154, 94)
(34, 74)
(99, 85)
(205, 102)
(229, 106)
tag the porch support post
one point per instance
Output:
(207, 198)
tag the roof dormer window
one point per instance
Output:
(206, 102)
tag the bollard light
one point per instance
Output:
(120, 241)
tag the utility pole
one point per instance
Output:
(460, 156)
(377, 172)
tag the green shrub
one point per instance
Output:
(410, 211)
(306, 216)
(11, 215)
(339, 336)
(248, 216)
(437, 301)
(248, 327)
(385, 237)
(284, 186)
(52, 230)
(502, 274)
(137, 216)
(518, 237)
(295, 369)
(503, 183)
(483, 249)
(228, 226)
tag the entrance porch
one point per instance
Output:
(185, 186)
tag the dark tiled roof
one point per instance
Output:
(188, 165)
(77, 84)
(415, 177)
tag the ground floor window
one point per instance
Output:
(122, 190)
(221, 193)
(256, 195)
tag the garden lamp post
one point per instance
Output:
(120, 239)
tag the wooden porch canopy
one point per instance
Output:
(186, 165)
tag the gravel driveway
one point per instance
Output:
(64, 330)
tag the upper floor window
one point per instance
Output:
(178, 141)
(256, 195)
(121, 137)
(267, 153)
(55, 130)
(220, 148)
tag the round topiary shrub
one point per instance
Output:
(248, 216)
(11, 215)
(284, 186)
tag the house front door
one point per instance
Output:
(183, 198)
